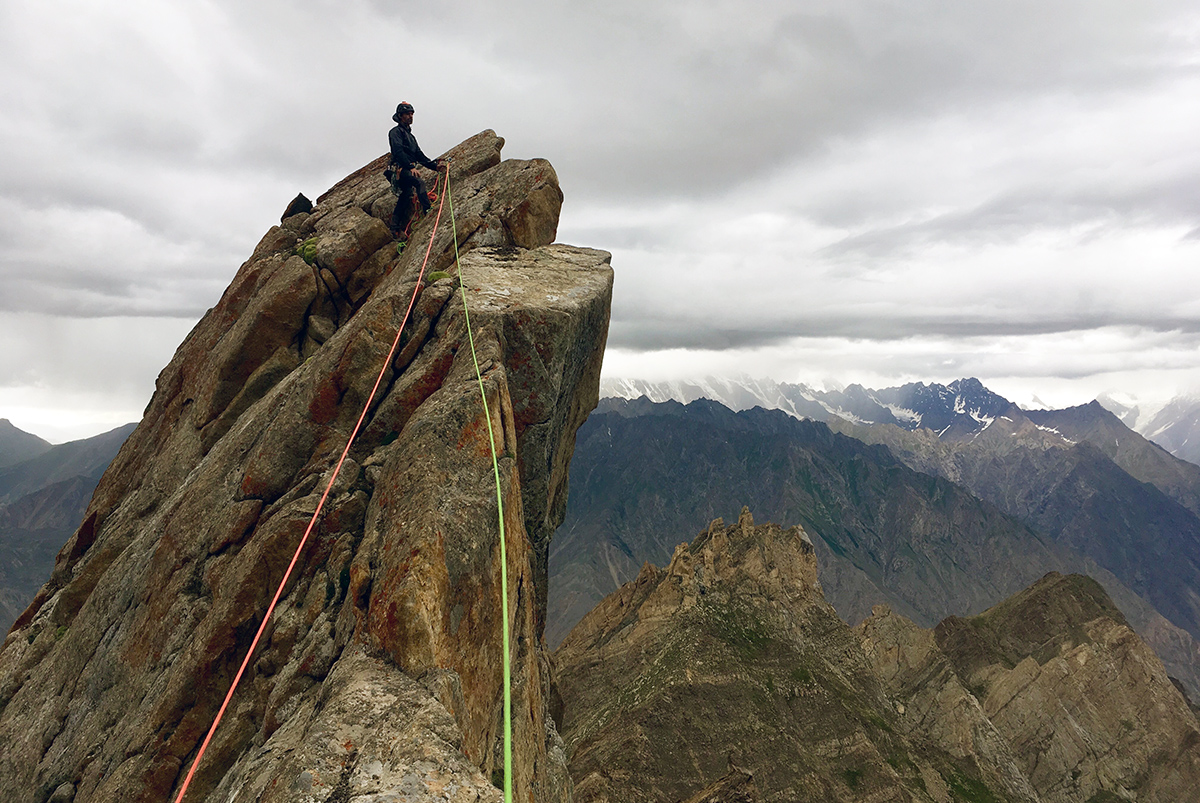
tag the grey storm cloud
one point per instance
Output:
(849, 168)
(688, 97)
(1023, 211)
(640, 332)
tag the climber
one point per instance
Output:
(406, 152)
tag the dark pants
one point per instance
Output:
(404, 183)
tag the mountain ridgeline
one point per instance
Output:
(1175, 426)
(16, 445)
(935, 526)
(644, 472)
(726, 676)
(975, 437)
(960, 408)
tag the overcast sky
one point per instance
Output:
(822, 192)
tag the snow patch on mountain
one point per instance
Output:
(905, 414)
(1054, 431)
(965, 406)
(1173, 424)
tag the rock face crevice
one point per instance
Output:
(380, 671)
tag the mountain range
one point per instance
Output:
(1175, 425)
(44, 490)
(726, 677)
(17, 445)
(1018, 493)
(961, 408)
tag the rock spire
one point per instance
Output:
(380, 671)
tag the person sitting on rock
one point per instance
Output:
(405, 153)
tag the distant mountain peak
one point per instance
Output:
(1174, 425)
(17, 445)
(960, 409)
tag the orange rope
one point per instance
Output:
(279, 592)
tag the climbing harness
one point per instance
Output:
(337, 469)
(413, 199)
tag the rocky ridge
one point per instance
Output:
(645, 472)
(1054, 498)
(732, 654)
(87, 458)
(1090, 485)
(1084, 706)
(110, 678)
(729, 654)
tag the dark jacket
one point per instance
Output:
(406, 151)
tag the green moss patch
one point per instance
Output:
(307, 250)
(969, 790)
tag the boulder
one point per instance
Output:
(298, 206)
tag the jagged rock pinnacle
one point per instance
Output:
(111, 677)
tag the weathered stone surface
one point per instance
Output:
(933, 703)
(736, 787)
(1086, 705)
(118, 667)
(548, 340)
(299, 205)
(346, 240)
(1050, 692)
(369, 730)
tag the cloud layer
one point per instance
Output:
(926, 190)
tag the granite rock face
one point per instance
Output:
(380, 672)
(736, 787)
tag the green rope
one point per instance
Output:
(499, 506)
